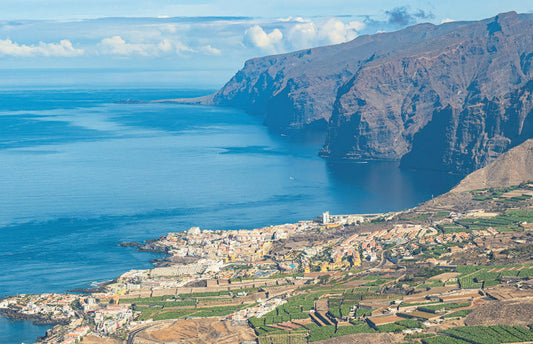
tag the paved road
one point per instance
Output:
(133, 333)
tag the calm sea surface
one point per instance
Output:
(80, 173)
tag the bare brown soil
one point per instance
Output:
(512, 312)
(511, 168)
(194, 331)
(97, 340)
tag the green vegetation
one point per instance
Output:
(169, 315)
(147, 300)
(450, 228)
(443, 306)
(331, 331)
(162, 314)
(345, 308)
(525, 273)
(409, 323)
(363, 312)
(482, 335)
(486, 276)
(468, 283)
(346, 330)
(434, 284)
(399, 326)
(508, 221)
(375, 283)
(206, 294)
(189, 303)
(491, 193)
(458, 314)
(321, 333)
(427, 273)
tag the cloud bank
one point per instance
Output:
(298, 33)
(222, 42)
(257, 37)
(62, 49)
(116, 45)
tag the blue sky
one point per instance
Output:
(183, 42)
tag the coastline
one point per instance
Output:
(238, 277)
(36, 319)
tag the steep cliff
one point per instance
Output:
(449, 97)
(511, 168)
(452, 102)
(297, 90)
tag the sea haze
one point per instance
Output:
(81, 173)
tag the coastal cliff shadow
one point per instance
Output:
(383, 185)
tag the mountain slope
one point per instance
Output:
(299, 89)
(511, 168)
(453, 102)
(448, 97)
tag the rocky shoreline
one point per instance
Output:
(146, 246)
(36, 319)
(99, 289)
(152, 246)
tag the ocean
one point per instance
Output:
(80, 173)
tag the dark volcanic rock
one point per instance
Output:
(297, 90)
(36, 319)
(452, 96)
(130, 244)
(452, 102)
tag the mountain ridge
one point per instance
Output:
(449, 97)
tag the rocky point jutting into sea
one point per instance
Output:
(450, 97)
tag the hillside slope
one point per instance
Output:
(448, 97)
(454, 102)
(511, 168)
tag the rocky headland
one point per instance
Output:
(448, 97)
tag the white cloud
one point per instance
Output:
(299, 33)
(209, 50)
(332, 31)
(356, 25)
(165, 46)
(116, 45)
(182, 48)
(293, 19)
(447, 20)
(303, 36)
(257, 37)
(62, 49)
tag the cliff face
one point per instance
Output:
(449, 97)
(511, 168)
(453, 102)
(297, 90)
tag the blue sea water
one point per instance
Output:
(80, 173)
(16, 332)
